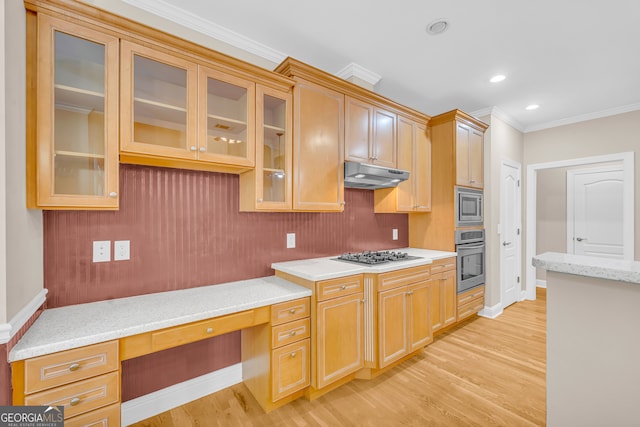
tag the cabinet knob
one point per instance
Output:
(113, 194)
(259, 200)
(343, 287)
(293, 354)
(473, 181)
(203, 149)
(292, 311)
(292, 333)
(209, 330)
(74, 367)
(363, 301)
(343, 203)
(409, 293)
(74, 401)
(193, 148)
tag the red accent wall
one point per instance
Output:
(186, 231)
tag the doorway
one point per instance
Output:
(627, 160)
(510, 233)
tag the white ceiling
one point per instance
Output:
(576, 59)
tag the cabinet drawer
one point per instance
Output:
(470, 308)
(406, 276)
(192, 332)
(441, 265)
(341, 286)
(290, 332)
(289, 369)
(80, 397)
(471, 294)
(290, 310)
(56, 369)
(103, 417)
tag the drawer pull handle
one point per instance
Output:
(209, 330)
(343, 287)
(74, 401)
(292, 333)
(363, 301)
(409, 293)
(293, 354)
(74, 367)
(292, 311)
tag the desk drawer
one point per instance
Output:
(56, 369)
(103, 417)
(197, 331)
(82, 396)
(290, 310)
(290, 332)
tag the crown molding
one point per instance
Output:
(584, 117)
(208, 28)
(358, 71)
(498, 113)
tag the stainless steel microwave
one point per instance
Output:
(468, 207)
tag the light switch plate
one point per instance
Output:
(395, 234)
(121, 250)
(101, 250)
(291, 240)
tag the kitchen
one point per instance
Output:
(228, 190)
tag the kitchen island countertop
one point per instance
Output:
(79, 325)
(325, 268)
(589, 266)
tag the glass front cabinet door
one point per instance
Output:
(77, 123)
(269, 186)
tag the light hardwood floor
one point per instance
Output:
(481, 373)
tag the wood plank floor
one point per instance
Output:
(481, 373)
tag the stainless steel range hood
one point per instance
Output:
(372, 177)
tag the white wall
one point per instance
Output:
(502, 142)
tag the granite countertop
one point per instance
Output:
(84, 324)
(315, 269)
(588, 266)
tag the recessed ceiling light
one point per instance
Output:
(438, 26)
(498, 78)
(532, 107)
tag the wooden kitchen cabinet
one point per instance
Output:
(86, 381)
(443, 306)
(72, 120)
(268, 187)
(469, 156)
(414, 155)
(470, 302)
(370, 133)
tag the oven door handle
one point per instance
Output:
(465, 247)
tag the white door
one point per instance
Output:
(595, 214)
(510, 233)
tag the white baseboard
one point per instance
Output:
(8, 330)
(541, 283)
(491, 312)
(168, 398)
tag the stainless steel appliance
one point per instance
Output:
(375, 257)
(468, 207)
(371, 177)
(470, 247)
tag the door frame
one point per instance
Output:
(518, 166)
(627, 195)
(627, 159)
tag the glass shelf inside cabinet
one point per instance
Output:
(160, 103)
(226, 118)
(79, 130)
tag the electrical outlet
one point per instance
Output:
(101, 250)
(395, 234)
(291, 240)
(121, 250)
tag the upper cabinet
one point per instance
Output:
(469, 155)
(176, 109)
(72, 128)
(370, 133)
(414, 155)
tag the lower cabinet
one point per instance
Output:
(275, 356)
(86, 381)
(443, 294)
(470, 302)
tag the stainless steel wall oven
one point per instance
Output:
(470, 247)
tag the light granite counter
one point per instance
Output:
(315, 269)
(588, 266)
(84, 324)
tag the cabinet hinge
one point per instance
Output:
(518, 231)
(518, 280)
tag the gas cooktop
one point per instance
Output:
(375, 257)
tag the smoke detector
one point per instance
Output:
(438, 26)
